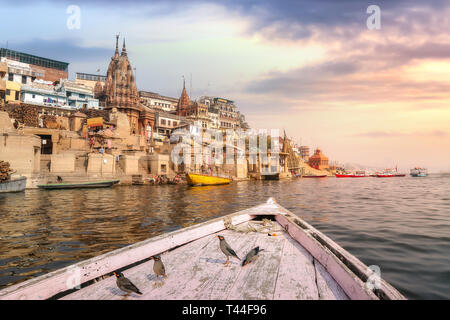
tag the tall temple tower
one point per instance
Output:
(120, 89)
(184, 101)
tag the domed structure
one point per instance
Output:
(319, 160)
(120, 89)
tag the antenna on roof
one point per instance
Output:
(207, 88)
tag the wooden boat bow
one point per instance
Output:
(299, 256)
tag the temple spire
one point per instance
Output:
(116, 53)
(124, 49)
(184, 101)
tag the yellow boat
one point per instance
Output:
(194, 179)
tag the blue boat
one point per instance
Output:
(418, 172)
(13, 185)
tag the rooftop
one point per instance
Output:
(89, 76)
(148, 94)
(31, 59)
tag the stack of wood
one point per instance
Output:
(95, 113)
(5, 171)
(26, 114)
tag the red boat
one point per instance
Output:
(389, 173)
(344, 175)
(385, 175)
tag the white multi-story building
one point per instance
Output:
(226, 110)
(165, 123)
(78, 95)
(157, 101)
(42, 93)
(19, 72)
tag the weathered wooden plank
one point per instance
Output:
(183, 281)
(142, 275)
(386, 291)
(216, 279)
(350, 283)
(257, 280)
(58, 281)
(328, 288)
(296, 277)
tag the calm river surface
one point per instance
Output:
(400, 224)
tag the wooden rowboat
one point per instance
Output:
(312, 176)
(298, 262)
(13, 185)
(74, 185)
(194, 179)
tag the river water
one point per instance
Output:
(401, 225)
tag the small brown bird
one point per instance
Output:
(125, 285)
(158, 267)
(226, 249)
(251, 256)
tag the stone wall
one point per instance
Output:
(62, 163)
(100, 165)
(129, 164)
(5, 122)
(160, 164)
(22, 152)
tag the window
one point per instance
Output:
(24, 79)
(163, 121)
(175, 123)
(10, 77)
(163, 168)
(8, 92)
(17, 95)
(34, 96)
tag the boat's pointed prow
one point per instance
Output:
(271, 200)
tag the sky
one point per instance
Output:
(376, 97)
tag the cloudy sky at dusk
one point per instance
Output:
(374, 97)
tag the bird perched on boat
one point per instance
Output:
(125, 284)
(251, 256)
(158, 267)
(226, 249)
